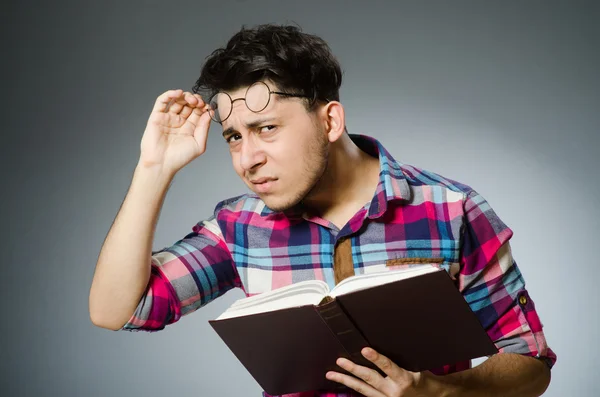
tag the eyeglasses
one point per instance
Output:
(257, 98)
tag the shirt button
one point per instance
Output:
(523, 300)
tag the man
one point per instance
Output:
(326, 205)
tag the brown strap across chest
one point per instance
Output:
(343, 266)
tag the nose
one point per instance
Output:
(251, 155)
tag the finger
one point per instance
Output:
(166, 120)
(175, 107)
(369, 375)
(186, 111)
(201, 104)
(191, 99)
(186, 100)
(201, 130)
(385, 364)
(162, 102)
(195, 115)
(355, 384)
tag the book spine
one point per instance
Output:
(344, 330)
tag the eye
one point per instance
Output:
(230, 138)
(267, 128)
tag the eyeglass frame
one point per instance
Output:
(286, 94)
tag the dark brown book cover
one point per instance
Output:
(421, 323)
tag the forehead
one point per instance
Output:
(241, 91)
(278, 106)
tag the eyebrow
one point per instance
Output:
(249, 126)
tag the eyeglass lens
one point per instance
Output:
(257, 99)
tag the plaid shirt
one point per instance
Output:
(415, 215)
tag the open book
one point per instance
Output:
(290, 337)
(314, 292)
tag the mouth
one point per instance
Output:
(263, 185)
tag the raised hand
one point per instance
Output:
(176, 131)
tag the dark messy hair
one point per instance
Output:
(296, 62)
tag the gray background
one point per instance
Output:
(503, 96)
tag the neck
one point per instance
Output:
(349, 181)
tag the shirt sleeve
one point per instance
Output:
(184, 277)
(493, 285)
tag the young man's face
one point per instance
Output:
(280, 152)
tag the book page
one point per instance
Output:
(309, 292)
(362, 281)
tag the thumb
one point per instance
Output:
(202, 125)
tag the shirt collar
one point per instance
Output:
(392, 182)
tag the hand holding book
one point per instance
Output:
(370, 383)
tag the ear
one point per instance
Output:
(335, 121)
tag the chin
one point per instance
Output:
(282, 202)
(278, 204)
